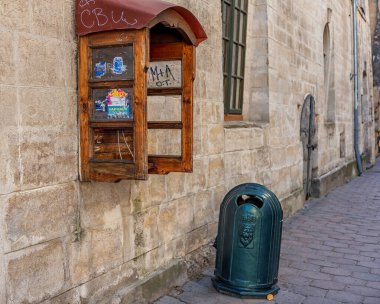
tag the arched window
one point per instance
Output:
(326, 51)
(365, 107)
(328, 66)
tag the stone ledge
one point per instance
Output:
(244, 124)
(160, 282)
(326, 183)
(293, 202)
(154, 286)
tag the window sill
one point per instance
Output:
(330, 124)
(244, 124)
(229, 117)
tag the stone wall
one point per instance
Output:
(296, 68)
(38, 154)
(375, 31)
(64, 241)
(367, 101)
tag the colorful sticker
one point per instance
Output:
(118, 105)
(118, 66)
(100, 69)
(112, 63)
(101, 105)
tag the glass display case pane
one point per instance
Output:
(115, 144)
(165, 74)
(164, 142)
(165, 108)
(112, 104)
(112, 63)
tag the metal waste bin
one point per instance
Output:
(248, 243)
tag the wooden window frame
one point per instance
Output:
(163, 164)
(233, 104)
(113, 170)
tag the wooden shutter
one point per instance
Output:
(112, 105)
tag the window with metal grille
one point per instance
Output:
(234, 18)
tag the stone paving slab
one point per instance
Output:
(330, 252)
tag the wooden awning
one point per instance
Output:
(103, 15)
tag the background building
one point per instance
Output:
(64, 241)
(375, 35)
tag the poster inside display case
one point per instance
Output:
(113, 104)
(112, 63)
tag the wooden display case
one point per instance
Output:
(136, 95)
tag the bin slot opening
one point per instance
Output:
(250, 199)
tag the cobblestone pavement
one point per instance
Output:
(330, 252)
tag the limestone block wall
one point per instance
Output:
(38, 151)
(296, 67)
(375, 30)
(367, 101)
(63, 241)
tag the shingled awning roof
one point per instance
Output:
(103, 15)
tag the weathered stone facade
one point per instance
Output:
(375, 35)
(63, 241)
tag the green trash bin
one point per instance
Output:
(248, 243)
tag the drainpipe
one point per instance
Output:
(356, 90)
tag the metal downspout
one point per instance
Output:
(356, 90)
(310, 146)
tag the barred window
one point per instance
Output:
(234, 17)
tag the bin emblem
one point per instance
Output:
(247, 230)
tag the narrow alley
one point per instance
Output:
(330, 252)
